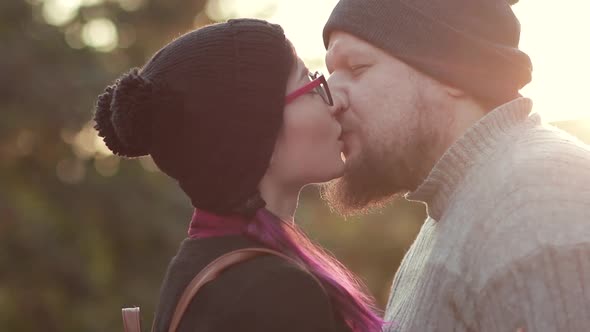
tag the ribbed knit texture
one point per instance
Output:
(469, 44)
(507, 241)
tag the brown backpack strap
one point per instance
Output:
(131, 321)
(212, 270)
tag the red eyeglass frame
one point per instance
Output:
(319, 80)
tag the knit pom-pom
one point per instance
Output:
(124, 115)
(102, 117)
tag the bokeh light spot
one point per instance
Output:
(131, 5)
(107, 166)
(25, 142)
(101, 34)
(221, 10)
(71, 171)
(60, 12)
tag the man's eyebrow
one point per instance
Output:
(342, 55)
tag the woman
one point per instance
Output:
(231, 113)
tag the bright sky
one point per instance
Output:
(555, 34)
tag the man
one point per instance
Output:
(428, 91)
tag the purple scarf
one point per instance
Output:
(206, 224)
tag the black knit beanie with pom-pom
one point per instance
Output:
(208, 108)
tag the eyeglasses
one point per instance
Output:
(318, 84)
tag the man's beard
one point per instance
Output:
(384, 171)
(369, 182)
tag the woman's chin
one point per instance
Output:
(336, 172)
(339, 169)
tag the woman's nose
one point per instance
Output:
(339, 104)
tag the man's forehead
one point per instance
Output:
(337, 41)
(345, 44)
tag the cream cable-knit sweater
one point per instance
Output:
(507, 240)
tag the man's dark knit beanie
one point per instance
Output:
(208, 108)
(468, 44)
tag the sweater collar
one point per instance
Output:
(476, 143)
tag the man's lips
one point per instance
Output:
(343, 139)
(343, 134)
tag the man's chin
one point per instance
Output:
(372, 178)
(349, 200)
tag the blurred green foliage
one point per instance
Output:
(82, 233)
